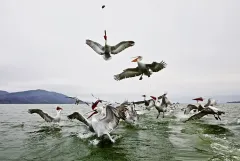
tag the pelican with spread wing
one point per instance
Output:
(45, 116)
(209, 110)
(104, 120)
(141, 69)
(148, 103)
(107, 50)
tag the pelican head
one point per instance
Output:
(59, 108)
(136, 59)
(97, 109)
(153, 98)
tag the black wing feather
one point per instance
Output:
(128, 73)
(45, 116)
(121, 46)
(155, 67)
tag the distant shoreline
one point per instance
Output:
(234, 102)
(39, 103)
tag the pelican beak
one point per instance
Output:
(105, 35)
(95, 112)
(59, 108)
(136, 59)
(153, 97)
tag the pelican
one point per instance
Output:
(205, 111)
(165, 100)
(101, 124)
(78, 101)
(45, 116)
(107, 50)
(130, 114)
(141, 69)
(167, 104)
(190, 107)
(148, 103)
(159, 107)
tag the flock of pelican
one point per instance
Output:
(105, 116)
(142, 69)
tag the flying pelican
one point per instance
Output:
(107, 50)
(205, 111)
(78, 101)
(45, 116)
(141, 69)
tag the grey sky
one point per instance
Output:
(42, 45)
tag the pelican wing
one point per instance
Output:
(83, 102)
(128, 73)
(160, 97)
(75, 98)
(189, 108)
(121, 46)
(125, 103)
(86, 103)
(211, 102)
(215, 110)
(165, 101)
(72, 97)
(139, 102)
(79, 117)
(95, 46)
(202, 113)
(155, 67)
(197, 116)
(111, 117)
(121, 111)
(45, 116)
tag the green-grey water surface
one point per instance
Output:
(26, 137)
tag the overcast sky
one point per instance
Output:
(42, 45)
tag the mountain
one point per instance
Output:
(34, 97)
(3, 92)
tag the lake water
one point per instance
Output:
(28, 137)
